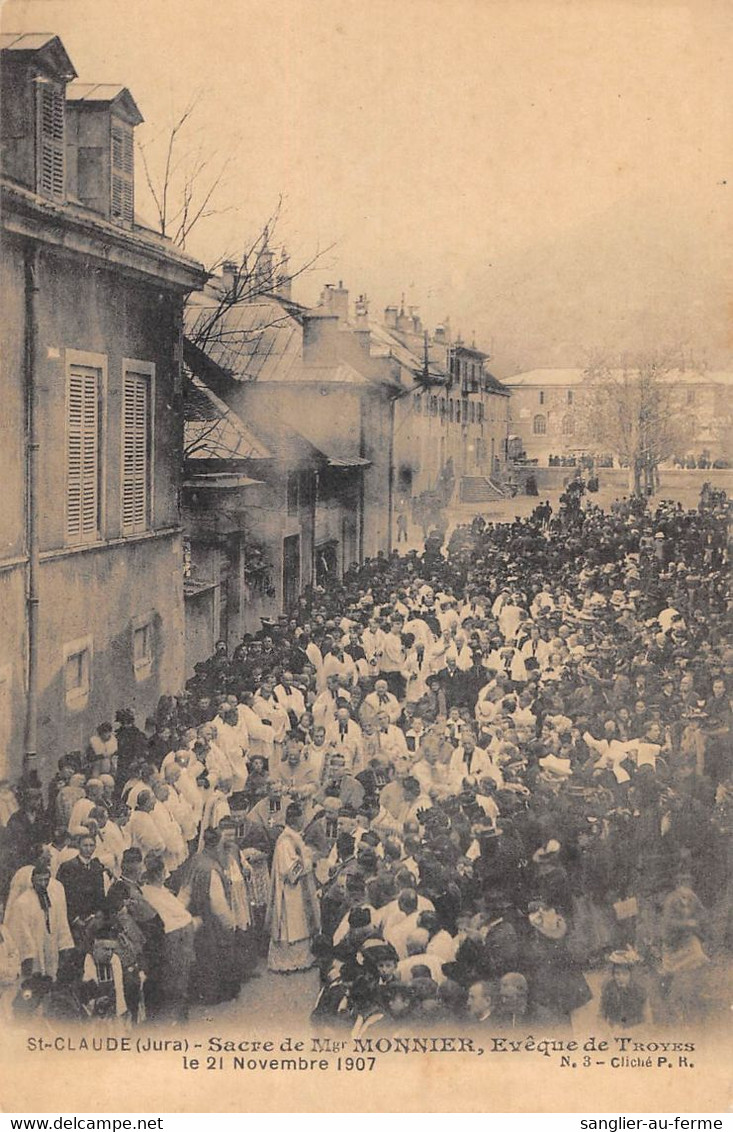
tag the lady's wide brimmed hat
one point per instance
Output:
(547, 852)
(626, 958)
(548, 923)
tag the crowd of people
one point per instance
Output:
(459, 784)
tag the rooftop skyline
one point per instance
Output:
(553, 177)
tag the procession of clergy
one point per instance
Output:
(455, 782)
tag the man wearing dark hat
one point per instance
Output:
(132, 745)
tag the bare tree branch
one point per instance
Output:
(630, 411)
(174, 203)
(184, 189)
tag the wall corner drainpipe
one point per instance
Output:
(390, 475)
(30, 758)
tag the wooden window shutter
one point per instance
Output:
(123, 174)
(82, 468)
(51, 140)
(135, 452)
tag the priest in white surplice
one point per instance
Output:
(293, 915)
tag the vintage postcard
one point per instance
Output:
(365, 665)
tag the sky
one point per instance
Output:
(553, 176)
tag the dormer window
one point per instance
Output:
(34, 73)
(123, 173)
(102, 121)
(50, 137)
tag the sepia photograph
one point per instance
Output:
(365, 655)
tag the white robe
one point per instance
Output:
(277, 716)
(350, 745)
(217, 764)
(481, 767)
(216, 807)
(111, 844)
(510, 618)
(176, 850)
(392, 743)
(145, 834)
(324, 708)
(229, 742)
(293, 910)
(186, 787)
(179, 807)
(390, 704)
(27, 926)
(80, 813)
(261, 738)
(332, 666)
(290, 701)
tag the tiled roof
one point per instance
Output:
(260, 340)
(225, 480)
(213, 431)
(339, 374)
(25, 41)
(105, 93)
(40, 41)
(493, 384)
(384, 344)
(547, 378)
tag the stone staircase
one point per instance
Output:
(480, 489)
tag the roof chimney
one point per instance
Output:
(404, 321)
(320, 338)
(390, 317)
(416, 320)
(361, 323)
(335, 300)
(284, 278)
(229, 275)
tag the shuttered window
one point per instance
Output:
(136, 452)
(83, 454)
(51, 106)
(123, 169)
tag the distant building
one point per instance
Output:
(302, 383)
(451, 429)
(91, 592)
(549, 409)
(546, 411)
(227, 577)
(354, 420)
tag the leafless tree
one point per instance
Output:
(256, 273)
(184, 184)
(629, 410)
